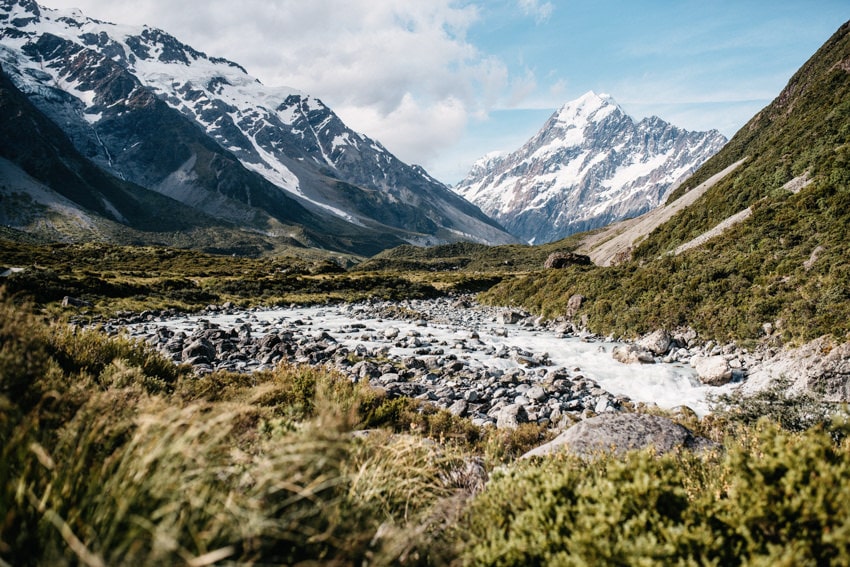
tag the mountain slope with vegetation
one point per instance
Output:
(786, 265)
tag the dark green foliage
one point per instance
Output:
(786, 263)
(772, 498)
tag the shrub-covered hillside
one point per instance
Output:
(786, 265)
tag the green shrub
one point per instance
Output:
(772, 498)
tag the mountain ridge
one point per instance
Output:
(590, 164)
(117, 91)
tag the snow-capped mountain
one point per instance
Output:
(157, 113)
(589, 165)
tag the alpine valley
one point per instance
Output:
(198, 365)
(588, 166)
(128, 135)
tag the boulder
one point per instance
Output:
(631, 354)
(821, 367)
(657, 342)
(573, 305)
(558, 260)
(458, 408)
(620, 433)
(391, 333)
(509, 317)
(199, 350)
(511, 416)
(712, 370)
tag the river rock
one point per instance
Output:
(631, 354)
(198, 350)
(712, 370)
(657, 342)
(620, 433)
(511, 416)
(458, 408)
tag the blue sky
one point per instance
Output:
(443, 82)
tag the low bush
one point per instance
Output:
(771, 498)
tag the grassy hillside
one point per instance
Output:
(786, 265)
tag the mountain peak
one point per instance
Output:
(589, 165)
(589, 107)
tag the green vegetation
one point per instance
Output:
(111, 455)
(786, 265)
(467, 257)
(772, 498)
(118, 278)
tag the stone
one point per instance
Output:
(657, 342)
(509, 317)
(536, 393)
(821, 367)
(712, 370)
(199, 349)
(558, 260)
(511, 416)
(623, 432)
(631, 354)
(573, 305)
(391, 333)
(458, 408)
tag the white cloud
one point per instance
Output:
(415, 131)
(396, 71)
(540, 11)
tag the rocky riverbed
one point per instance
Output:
(497, 366)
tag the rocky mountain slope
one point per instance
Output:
(759, 254)
(150, 110)
(588, 166)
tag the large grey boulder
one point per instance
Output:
(509, 317)
(657, 342)
(821, 367)
(200, 350)
(712, 370)
(622, 432)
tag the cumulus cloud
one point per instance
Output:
(401, 72)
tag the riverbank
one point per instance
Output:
(497, 366)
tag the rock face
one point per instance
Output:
(620, 433)
(820, 366)
(588, 166)
(149, 110)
